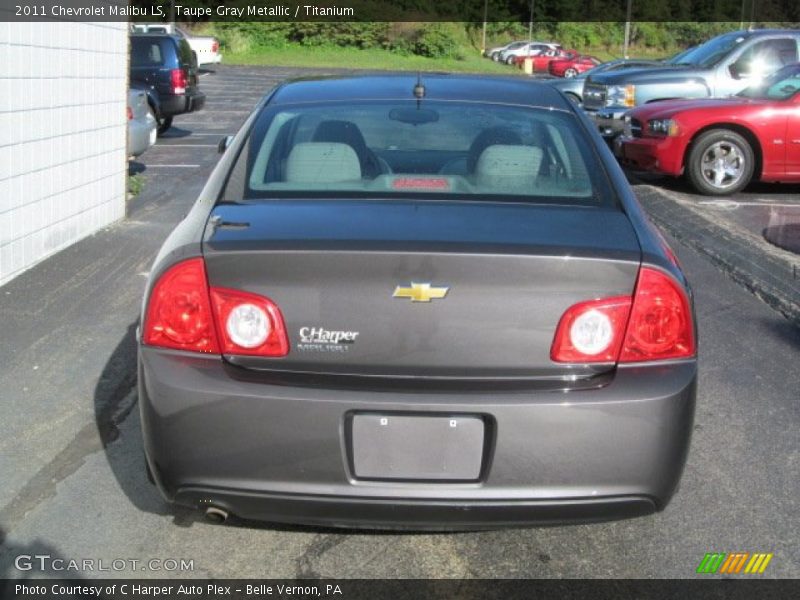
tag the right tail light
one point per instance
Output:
(655, 324)
(178, 81)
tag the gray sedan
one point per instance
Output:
(420, 303)
(142, 124)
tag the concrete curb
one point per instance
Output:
(770, 273)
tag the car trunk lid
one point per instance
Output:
(498, 277)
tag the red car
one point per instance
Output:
(542, 60)
(720, 144)
(573, 65)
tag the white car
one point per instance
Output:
(205, 47)
(494, 53)
(528, 48)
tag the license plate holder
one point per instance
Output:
(417, 447)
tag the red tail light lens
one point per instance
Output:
(184, 314)
(179, 312)
(655, 325)
(130, 114)
(249, 324)
(660, 325)
(591, 331)
(215, 46)
(178, 80)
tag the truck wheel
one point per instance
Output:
(569, 73)
(164, 123)
(721, 162)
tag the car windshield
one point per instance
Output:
(709, 54)
(441, 149)
(781, 85)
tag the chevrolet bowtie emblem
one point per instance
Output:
(420, 292)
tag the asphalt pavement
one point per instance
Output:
(71, 464)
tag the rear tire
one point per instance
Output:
(164, 124)
(510, 60)
(570, 73)
(721, 162)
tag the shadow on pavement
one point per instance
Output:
(785, 330)
(115, 408)
(31, 566)
(176, 132)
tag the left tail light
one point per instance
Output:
(184, 313)
(215, 46)
(130, 114)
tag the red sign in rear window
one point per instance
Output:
(421, 183)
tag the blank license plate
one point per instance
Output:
(417, 447)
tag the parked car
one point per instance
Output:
(722, 66)
(494, 53)
(721, 144)
(527, 49)
(542, 59)
(205, 47)
(142, 126)
(571, 66)
(164, 65)
(425, 303)
(573, 87)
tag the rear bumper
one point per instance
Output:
(280, 453)
(141, 135)
(663, 155)
(434, 515)
(183, 103)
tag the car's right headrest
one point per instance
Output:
(508, 168)
(322, 162)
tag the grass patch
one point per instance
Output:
(135, 184)
(370, 59)
(296, 55)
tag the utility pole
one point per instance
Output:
(485, 15)
(627, 30)
(530, 29)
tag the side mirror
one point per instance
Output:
(224, 143)
(737, 73)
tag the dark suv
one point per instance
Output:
(166, 67)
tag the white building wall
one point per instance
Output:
(63, 128)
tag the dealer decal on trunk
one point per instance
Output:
(319, 339)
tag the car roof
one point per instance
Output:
(155, 34)
(438, 86)
(758, 32)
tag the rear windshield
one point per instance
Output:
(459, 150)
(150, 51)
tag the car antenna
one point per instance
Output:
(419, 89)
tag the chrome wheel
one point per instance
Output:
(569, 73)
(723, 164)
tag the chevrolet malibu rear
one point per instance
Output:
(425, 304)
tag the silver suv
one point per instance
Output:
(722, 66)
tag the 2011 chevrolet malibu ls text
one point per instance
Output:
(421, 303)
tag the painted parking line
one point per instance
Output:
(185, 145)
(728, 204)
(151, 166)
